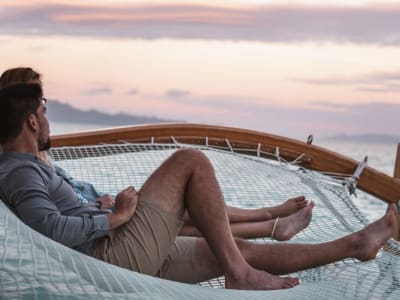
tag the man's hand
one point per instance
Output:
(106, 201)
(125, 206)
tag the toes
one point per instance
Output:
(300, 199)
(292, 282)
(392, 211)
(394, 208)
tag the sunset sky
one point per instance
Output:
(286, 67)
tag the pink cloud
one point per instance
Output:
(377, 24)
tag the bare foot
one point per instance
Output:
(287, 208)
(369, 240)
(259, 280)
(287, 227)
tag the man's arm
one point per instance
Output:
(125, 206)
(27, 193)
(105, 202)
(124, 210)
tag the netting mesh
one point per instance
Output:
(33, 266)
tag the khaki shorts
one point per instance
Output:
(148, 244)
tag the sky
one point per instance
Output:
(287, 67)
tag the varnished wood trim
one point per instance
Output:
(397, 163)
(317, 158)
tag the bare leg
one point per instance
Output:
(186, 180)
(286, 227)
(280, 259)
(237, 214)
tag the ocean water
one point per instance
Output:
(380, 156)
(61, 127)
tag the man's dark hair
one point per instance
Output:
(17, 102)
(18, 75)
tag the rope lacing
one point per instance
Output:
(229, 144)
(351, 182)
(297, 160)
(174, 141)
(277, 155)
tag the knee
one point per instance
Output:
(191, 156)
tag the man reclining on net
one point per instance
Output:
(141, 233)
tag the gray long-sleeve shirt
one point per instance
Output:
(46, 203)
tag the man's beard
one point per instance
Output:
(44, 146)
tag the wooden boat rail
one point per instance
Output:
(245, 141)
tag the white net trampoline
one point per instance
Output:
(35, 267)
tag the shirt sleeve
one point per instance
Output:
(28, 192)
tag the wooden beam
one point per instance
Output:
(372, 181)
(397, 163)
(396, 174)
